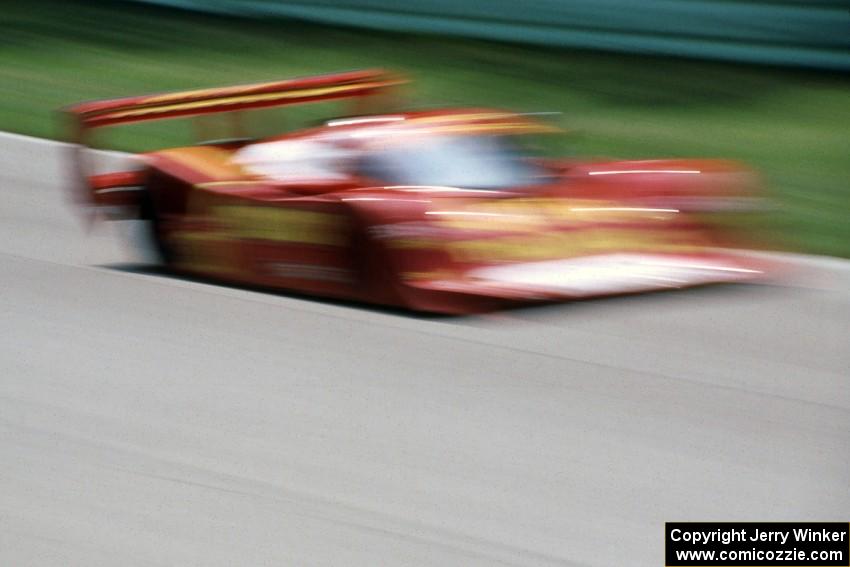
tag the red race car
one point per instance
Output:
(439, 210)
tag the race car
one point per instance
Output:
(433, 210)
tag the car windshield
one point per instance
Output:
(472, 162)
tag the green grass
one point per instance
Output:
(791, 125)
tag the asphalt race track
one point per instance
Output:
(150, 420)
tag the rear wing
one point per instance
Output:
(354, 84)
(84, 117)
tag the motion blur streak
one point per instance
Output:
(622, 171)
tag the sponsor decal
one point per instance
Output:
(280, 224)
(415, 229)
(567, 244)
(204, 252)
(541, 229)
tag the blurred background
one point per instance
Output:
(765, 82)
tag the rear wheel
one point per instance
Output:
(156, 239)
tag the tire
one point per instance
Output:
(156, 239)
